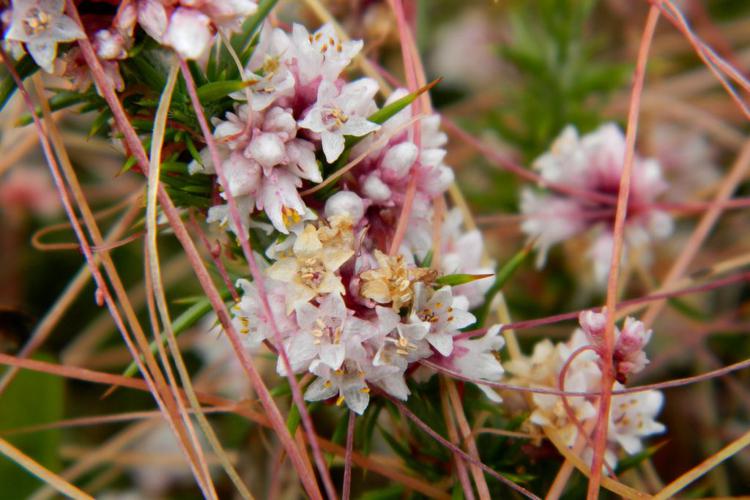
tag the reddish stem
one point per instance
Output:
(259, 282)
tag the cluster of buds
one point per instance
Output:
(576, 366)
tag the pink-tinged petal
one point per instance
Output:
(300, 350)
(279, 193)
(189, 33)
(243, 175)
(398, 160)
(395, 385)
(387, 319)
(283, 270)
(64, 29)
(356, 398)
(345, 203)
(306, 315)
(302, 162)
(43, 53)
(268, 150)
(414, 331)
(152, 16)
(358, 126)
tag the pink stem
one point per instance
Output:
(259, 283)
(566, 404)
(557, 318)
(102, 288)
(413, 82)
(456, 450)
(600, 437)
(136, 148)
(216, 257)
(348, 457)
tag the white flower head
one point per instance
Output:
(250, 319)
(338, 113)
(41, 25)
(268, 69)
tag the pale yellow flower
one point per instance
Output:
(311, 268)
(393, 281)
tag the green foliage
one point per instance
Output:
(32, 398)
(558, 70)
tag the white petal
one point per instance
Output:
(333, 145)
(442, 342)
(319, 390)
(332, 355)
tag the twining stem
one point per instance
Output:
(450, 425)
(346, 490)
(257, 275)
(157, 285)
(455, 449)
(134, 145)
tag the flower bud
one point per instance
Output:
(399, 159)
(267, 149)
(375, 189)
(345, 203)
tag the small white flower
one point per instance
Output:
(633, 417)
(326, 332)
(41, 25)
(250, 319)
(268, 69)
(477, 358)
(322, 54)
(348, 382)
(444, 313)
(338, 113)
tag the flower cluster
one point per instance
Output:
(594, 163)
(575, 366)
(358, 319)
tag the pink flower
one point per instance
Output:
(189, 32)
(628, 355)
(594, 163)
(477, 358)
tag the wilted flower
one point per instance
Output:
(311, 269)
(392, 282)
